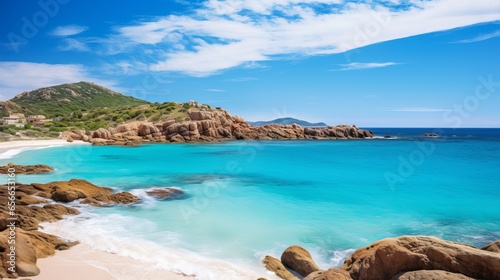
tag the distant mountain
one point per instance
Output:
(66, 98)
(285, 121)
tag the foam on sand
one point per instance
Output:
(11, 148)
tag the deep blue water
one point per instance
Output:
(246, 199)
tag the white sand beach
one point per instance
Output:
(11, 148)
(82, 263)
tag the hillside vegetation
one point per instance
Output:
(63, 99)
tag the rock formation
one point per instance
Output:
(386, 258)
(493, 247)
(213, 126)
(274, 265)
(407, 258)
(330, 274)
(299, 260)
(166, 193)
(32, 244)
(26, 169)
(430, 275)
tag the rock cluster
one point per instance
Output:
(402, 258)
(210, 126)
(35, 203)
(26, 169)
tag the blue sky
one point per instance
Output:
(392, 63)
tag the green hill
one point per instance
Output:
(66, 98)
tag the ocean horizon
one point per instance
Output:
(246, 199)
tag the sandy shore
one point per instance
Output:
(82, 263)
(11, 148)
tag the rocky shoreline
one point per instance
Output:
(209, 126)
(401, 258)
(36, 203)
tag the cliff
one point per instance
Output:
(209, 126)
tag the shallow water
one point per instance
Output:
(248, 199)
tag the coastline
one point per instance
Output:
(9, 149)
(82, 262)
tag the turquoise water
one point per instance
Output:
(248, 199)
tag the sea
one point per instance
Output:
(247, 199)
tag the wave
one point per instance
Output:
(13, 152)
(139, 239)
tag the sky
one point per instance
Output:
(385, 63)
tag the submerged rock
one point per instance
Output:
(430, 135)
(166, 193)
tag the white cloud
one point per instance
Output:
(360, 65)
(74, 45)
(417, 110)
(480, 38)
(68, 30)
(223, 34)
(215, 90)
(16, 77)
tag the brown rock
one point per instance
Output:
(124, 198)
(25, 259)
(274, 265)
(331, 274)
(101, 133)
(67, 195)
(430, 275)
(493, 247)
(386, 258)
(166, 193)
(299, 260)
(26, 169)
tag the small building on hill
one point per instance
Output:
(18, 120)
(37, 119)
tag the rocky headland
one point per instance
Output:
(26, 169)
(208, 126)
(36, 203)
(402, 258)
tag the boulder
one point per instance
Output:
(274, 265)
(101, 133)
(430, 275)
(389, 257)
(299, 260)
(25, 262)
(493, 247)
(330, 274)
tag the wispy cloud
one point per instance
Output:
(74, 45)
(68, 30)
(223, 34)
(214, 90)
(361, 65)
(417, 110)
(480, 38)
(16, 77)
